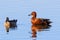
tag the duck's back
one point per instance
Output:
(39, 21)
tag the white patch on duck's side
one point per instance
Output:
(7, 26)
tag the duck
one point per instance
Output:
(39, 21)
(38, 24)
(10, 24)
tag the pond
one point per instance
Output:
(19, 9)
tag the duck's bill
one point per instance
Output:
(29, 15)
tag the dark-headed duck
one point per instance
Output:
(10, 24)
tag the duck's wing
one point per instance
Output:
(38, 21)
(46, 22)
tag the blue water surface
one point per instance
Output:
(19, 9)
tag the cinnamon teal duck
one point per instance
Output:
(38, 24)
(39, 21)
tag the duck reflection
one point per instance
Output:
(37, 28)
(10, 24)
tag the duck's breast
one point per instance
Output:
(37, 21)
(7, 24)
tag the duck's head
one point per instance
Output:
(33, 14)
(7, 19)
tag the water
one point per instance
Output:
(19, 9)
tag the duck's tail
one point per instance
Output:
(47, 22)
